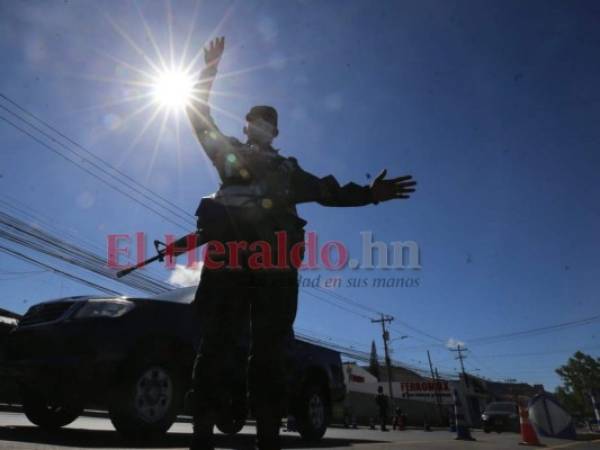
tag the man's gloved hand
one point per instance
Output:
(384, 190)
(213, 51)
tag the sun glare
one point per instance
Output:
(173, 89)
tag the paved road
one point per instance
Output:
(97, 433)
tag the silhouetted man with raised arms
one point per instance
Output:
(243, 304)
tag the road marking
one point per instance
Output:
(572, 444)
(394, 444)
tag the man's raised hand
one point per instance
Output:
(384, 190)
(213, 51)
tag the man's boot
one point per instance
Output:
(267, 429)
(203, 438)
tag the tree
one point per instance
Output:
(581, 377)
(374, 361)
(574, 402)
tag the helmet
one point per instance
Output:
(267, 113)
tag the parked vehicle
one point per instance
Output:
(500, 416)
(133, 357)
(8, 322)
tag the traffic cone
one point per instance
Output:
(462, 429)
(528, 434)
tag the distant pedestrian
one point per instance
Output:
(426, 426)
(347, 416)
(382, 404)
(398, 419)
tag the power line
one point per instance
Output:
(351, 343)
(421, 332)
(533, 354)
(362, 356)
(337, 305)
(28, 213)
(357, 304)
(21, 277)
(484, 366)
(18, 232)
(38, 263)
(93, 155)
(533, 331)
(109, 183)
(22, 272)
(378, 313)
(348, 300)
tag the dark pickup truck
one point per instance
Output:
(133, 357)
(8, 322)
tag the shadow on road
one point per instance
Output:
(587, 437)
(76, 437)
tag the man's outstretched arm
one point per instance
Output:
(198, 111)
(328, 192)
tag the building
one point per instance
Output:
(423, 399)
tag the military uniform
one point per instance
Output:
(259, 193)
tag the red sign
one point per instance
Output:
(425, 386)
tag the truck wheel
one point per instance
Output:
(46, 414)
(145, 404)
(312, 413)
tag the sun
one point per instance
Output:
(173, 89)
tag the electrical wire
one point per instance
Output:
(89, 172)
(97, 158)
(18, 232)
(38, 263)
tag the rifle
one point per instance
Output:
(214, 220)
(175, 248)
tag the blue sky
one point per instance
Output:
(493, 106)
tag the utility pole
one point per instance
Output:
(460, 349)
(388, 362)
(437, 394)
(444, 411)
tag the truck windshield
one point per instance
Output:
(182, 295)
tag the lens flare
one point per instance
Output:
(173, 89)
